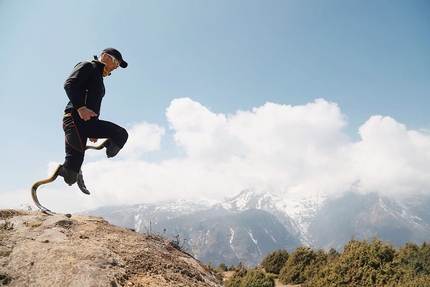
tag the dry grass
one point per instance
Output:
(9, 213)
(34, 224)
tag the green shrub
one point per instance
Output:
(256, 278)
(295, 267)
(414, 259)
(222, 267)
(375, 264)
(250, 278)
(360, 264)
(274, 262)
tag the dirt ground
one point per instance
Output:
(83, 251)
(278, 284)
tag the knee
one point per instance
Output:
(119, 137)
(123, 135)
(116, 143)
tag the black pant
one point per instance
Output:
(77, 131)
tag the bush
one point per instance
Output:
(256, 278)
(360, 264)
(376, 264)
(250, 278)
(415, 259)
(274, 262)
(222, 267)
(295, 267)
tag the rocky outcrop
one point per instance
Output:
(84, 251)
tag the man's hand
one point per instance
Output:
(86, 114)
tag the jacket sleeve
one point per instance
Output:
(74, 84)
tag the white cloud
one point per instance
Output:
(145, 138)
(391, 159)
(295, 149)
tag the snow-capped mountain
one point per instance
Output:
(295, 212)
(212, 233)
(255, 222)
(367, 216)
(142, 217)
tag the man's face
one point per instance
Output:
(111, 62)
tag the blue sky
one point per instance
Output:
(197, 69)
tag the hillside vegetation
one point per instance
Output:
(361, 263)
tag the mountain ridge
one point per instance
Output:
(315, 220)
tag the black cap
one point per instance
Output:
(117, 55)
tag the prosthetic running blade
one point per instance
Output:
(39, 183)
(53, 177)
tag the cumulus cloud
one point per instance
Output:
(293, 149)
(145, 138)
(390, 159)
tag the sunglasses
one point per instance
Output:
(114, 61)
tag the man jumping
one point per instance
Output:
(85, 89)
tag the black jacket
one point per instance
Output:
(85, 86)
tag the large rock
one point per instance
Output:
(40, 250)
